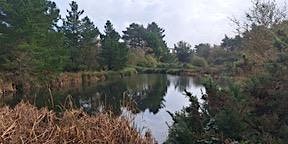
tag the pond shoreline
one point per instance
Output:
(65, 80)
(149, 91)
(68, 80)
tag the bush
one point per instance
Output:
(199, 61)
(150, 61)
(229, 123)
(169, 65)
(188, 66)
(128, 71)
(169, 58)
(139, 58)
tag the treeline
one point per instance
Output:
(247, 102)
(37, 41)
(204, 54)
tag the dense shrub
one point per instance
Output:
(139, 58)
(199, 61)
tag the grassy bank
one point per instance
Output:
(172, 71)
(26, 124)
(68, 80)
(64, 80)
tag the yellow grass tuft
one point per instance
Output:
(27, 124)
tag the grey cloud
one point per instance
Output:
(195, 21)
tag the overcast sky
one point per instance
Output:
(194, 21)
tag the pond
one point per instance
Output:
(150, 95)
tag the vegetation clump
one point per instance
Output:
(27, 124)
(248, 101)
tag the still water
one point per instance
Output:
(150, 95)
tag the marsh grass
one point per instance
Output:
(27, 124)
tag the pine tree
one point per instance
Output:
(89, 48)
(71, 28)
(183, 51)
(154, 28)
(114, 54)
(29, 40)
(203, 50)
(135, 35)
(80, 34)
(155, 39)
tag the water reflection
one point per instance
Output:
(145, 92)
(151, 95)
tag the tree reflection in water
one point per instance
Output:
(149, 95)
(145, 92)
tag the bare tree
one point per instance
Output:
(263, 13)
(266, 13)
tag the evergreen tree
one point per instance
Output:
(183, 51)
(135, 35)
(154, 28)
(150, 38)
(231, 44)
(114, 54)
(155, 39)
(79, 33)
(203, 50)
(29, 41)
(89, 44)
(155, 43)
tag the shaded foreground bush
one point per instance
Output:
(26, 124)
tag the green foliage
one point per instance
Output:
(155, 39)
(89, 44)
(203, 50)
(150, 61)
(114, 55)
(183, 51)
(128, 71)
(253, 113)
(147, 39)
(220, 56)
(29, 42)
(80, 36)
(217, 120)
(139, 58)
(232, 44)
(281, 36)
(199, 61)
(225, 54)
(210, 84)
(170, 65)
(230, 123)
(168, 57)
(188, 66)
(135, 35)
(187, 127)
(268, 112)
(71, 28)
(155, 43)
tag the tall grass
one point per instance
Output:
(27, 124)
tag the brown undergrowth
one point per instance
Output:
(27, 124)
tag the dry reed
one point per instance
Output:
(27, 124)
